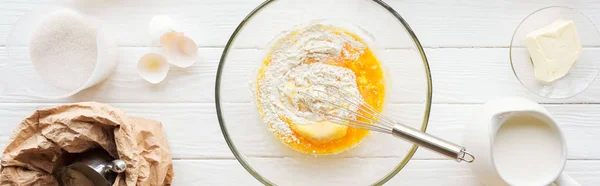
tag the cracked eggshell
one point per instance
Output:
(180, 50)
(160, 25)
(153, 67)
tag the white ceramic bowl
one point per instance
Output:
(24, 79)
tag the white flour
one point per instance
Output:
(63, 49)
(288, 77)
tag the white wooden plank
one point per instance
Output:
(417, 172)
(209, 23)
(211, 172)
(358, 172)
(478, 75)
(471, 75)
(192, 84)
(485, 23)
(193, 130)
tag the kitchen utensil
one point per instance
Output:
(95, 166)
(581, 75)
(373, 120)
(482, 139)
(26, 81)
(379, 156)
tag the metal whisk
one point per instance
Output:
(375, 121)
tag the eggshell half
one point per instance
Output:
(160, 25)
(153, 67)
(180, 50)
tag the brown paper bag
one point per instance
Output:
(39, 143)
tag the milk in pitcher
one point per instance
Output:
(527, 148)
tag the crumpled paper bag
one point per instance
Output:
(40, 141)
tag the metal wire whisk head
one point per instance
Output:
(364, 117)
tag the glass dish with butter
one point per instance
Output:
(552, 52)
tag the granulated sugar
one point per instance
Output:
(63, 49)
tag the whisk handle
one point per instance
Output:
(446, 148)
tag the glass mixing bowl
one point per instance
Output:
(379, 156)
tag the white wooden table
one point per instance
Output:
(466, 43)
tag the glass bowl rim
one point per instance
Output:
(222, 124)
(510, 49)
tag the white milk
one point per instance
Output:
(527, 150)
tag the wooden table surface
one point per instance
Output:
(466, 42)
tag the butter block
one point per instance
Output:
(553, 49)
(320, 132)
